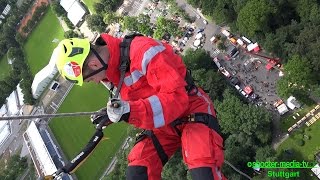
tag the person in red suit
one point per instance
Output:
(158, 96)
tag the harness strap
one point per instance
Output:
(203, 118)
(124, 59)
(161, 153)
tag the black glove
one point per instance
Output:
(100, 116)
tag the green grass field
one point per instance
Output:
(73, 135)
(89, 4)
(4, 67)
(39, 46)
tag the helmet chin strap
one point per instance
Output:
(104, 65)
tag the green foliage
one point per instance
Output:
(70, 34)
(15, 167)
(57, 8)
(130, 23)
(298, 78)
(266, 153)
(166, 26)
(95, 22)
(254, 17)
(300, 142)
(236, 117)
(198, 59)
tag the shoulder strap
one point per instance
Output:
(125, 58)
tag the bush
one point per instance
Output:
(300, 142)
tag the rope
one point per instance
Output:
(237, 170)
(48, 115)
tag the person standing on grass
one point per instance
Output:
(158, 95)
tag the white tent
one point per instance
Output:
(251, 46)
(282, 109)
(76, 12)
(20, 95)
(199, 36)
(197, 43)
(3, 110)
(12, 104)
(46, 163)
(44, 77)
(316, 170)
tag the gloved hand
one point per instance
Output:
(101, 115)
(118, 110)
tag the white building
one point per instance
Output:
(6, 10)
(75, 11)
(316, 170)
(43, 151)
(44, 77)
(4, 125)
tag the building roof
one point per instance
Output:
(3, 110)
(316, 170)
(6, 10)
(248, 90)
(4, 131)
(76, 12)
(13, 107)
(66, 4)
(47, 164)
(292, 103)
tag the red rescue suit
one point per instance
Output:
(155, 90)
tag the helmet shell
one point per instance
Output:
(71, 56)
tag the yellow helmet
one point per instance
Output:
(71, 55)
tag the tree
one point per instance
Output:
(70, 34)
(57, 8)
(298, 78)
(175, 168)
(95, 22)
(237, 117)
(130, 23)
(198, 59)
(266, 153)
(254, 17)
(99, 8)
(110, 18)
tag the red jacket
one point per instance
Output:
(155, 85)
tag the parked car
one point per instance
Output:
(205, 22)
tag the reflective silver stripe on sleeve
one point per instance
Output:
(158, 118)
(149, 54)
(219, 173)
(206, 99)
(133, 78)
(147, 57)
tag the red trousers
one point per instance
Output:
(202, 150)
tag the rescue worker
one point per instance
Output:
(154, 97)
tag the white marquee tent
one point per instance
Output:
(43, 78)
(75, 11)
